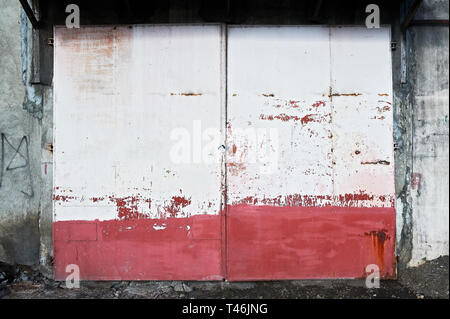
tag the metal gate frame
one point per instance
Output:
(376, 238)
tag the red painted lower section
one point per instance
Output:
(140, 249)
(268, 242)
(263, 243)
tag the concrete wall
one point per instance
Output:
(25, 158)
(20, 177)
(428, 78)
(420, 106)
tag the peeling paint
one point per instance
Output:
(187, 94)
(376, 162)
(345, 94)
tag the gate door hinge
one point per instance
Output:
(393, 45)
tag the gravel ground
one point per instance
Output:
(431, 280)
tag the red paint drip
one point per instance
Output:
(378, 239)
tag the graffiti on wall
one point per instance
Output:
(14, 157)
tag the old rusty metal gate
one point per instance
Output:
(201, 152)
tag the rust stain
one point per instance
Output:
(285, 118)
(49, 147)
(345, 94)
(268, 95)
(357, 152)
(383, 109)
(187, 94)
(381, 235)
(383, 94)
(378, 239)
(377, 162)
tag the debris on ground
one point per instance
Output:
(429, 280)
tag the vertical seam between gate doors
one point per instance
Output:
(224, 210)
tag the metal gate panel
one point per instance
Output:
(310, 153)
(127, 205)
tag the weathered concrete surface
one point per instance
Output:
(20, 154)
(26, 156)
(429, 59)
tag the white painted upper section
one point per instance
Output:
(125, 98)
(326, 94)
(309, 119)
(278, 71)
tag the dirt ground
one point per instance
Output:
(431, 280)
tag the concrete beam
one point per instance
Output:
(30, 14)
